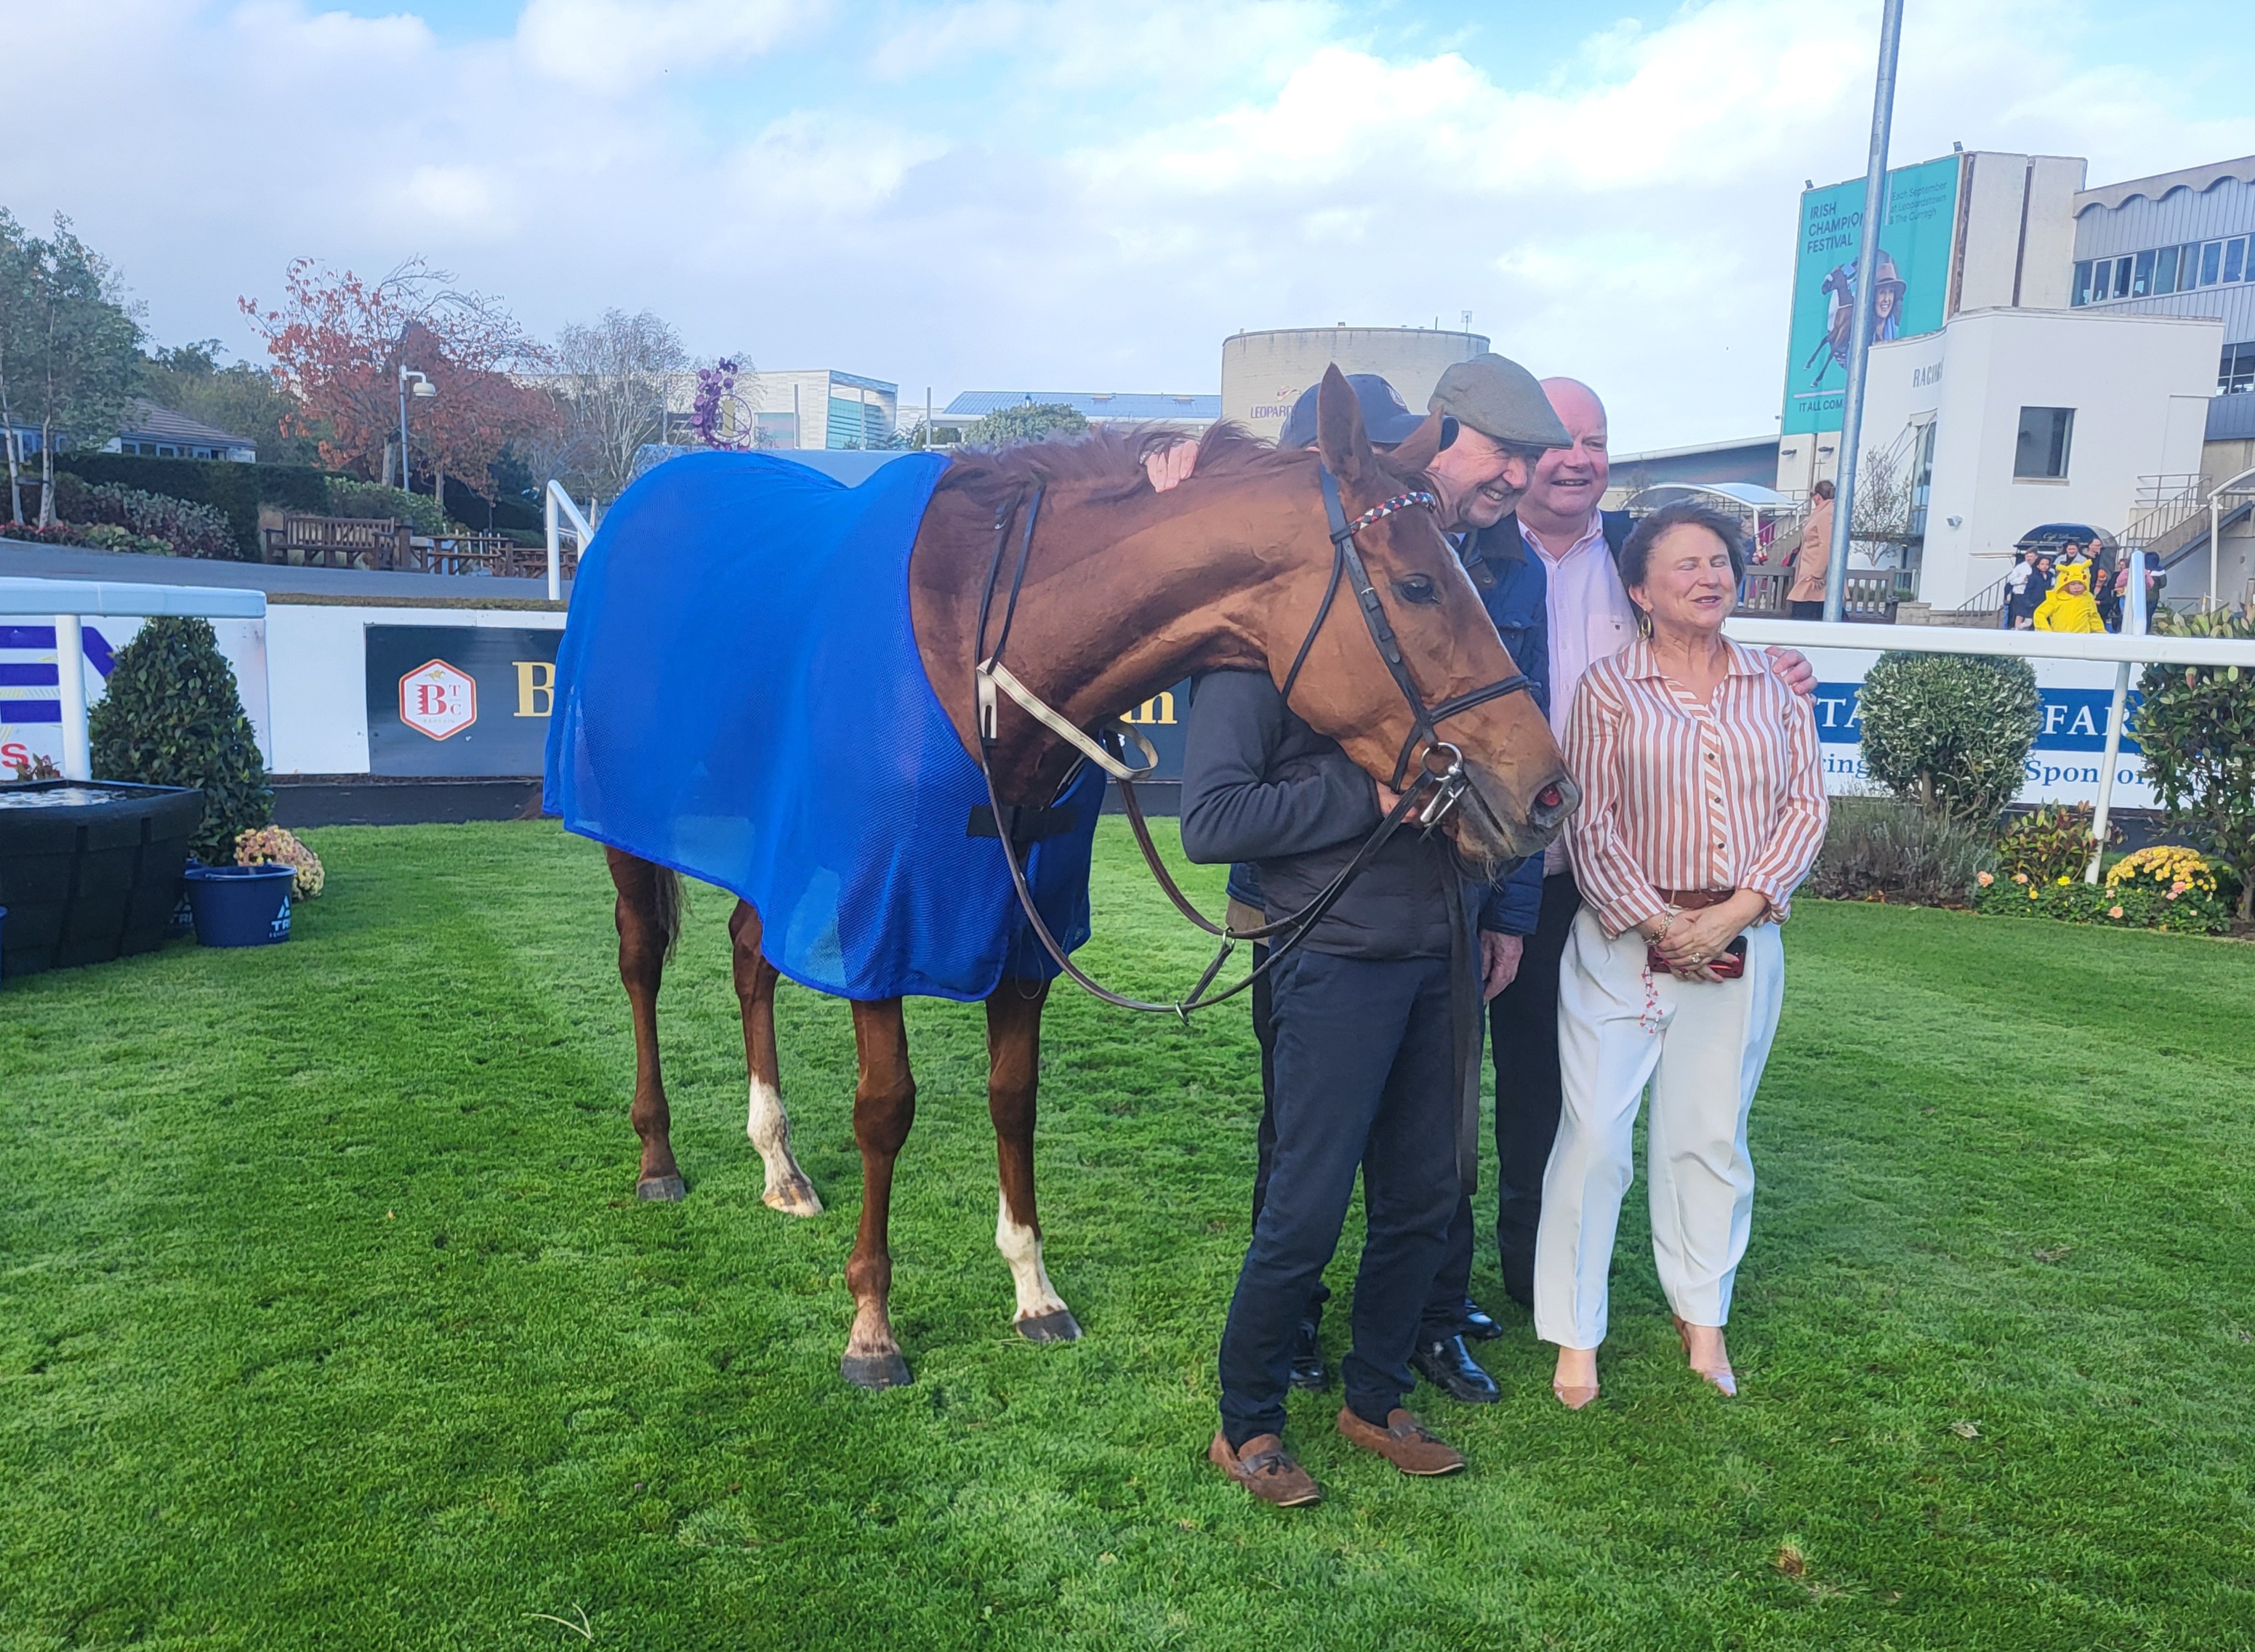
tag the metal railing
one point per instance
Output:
(561, 516)
(2165, 504)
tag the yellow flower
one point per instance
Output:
(2064, 880)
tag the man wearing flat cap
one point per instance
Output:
(1375, 1023)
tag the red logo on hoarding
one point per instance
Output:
(437, 700)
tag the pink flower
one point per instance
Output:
(2019, 877)
(1987, 879)
(2174, 893)
(2113, 912)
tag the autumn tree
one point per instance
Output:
(339, 344)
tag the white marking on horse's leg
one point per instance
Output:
(788, 1189)
(1021, 1247)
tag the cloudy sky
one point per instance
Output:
(1081, 194)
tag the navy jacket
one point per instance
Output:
(1259, 784)
(1518, 602)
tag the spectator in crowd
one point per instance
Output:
(1703, 808)
(2019, 600)
(2069, 605)
(1813, 559)
(2104, 563)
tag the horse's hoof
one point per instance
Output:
(876, 1370)
(1057, 1325)
(795, 1198)
(661, 1189)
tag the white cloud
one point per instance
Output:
(616, 45)
(1624, 214)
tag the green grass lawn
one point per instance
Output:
(327, 1319)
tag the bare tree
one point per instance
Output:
(1883, 499)
(613, 384)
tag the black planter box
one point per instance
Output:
(84, 883)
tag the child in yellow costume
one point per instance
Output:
(2069, 605)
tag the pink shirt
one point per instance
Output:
(1680, 795)
(1591, 618)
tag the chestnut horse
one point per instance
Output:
(1125, 591)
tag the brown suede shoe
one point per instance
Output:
(1266, 1470)
(1404, 1442)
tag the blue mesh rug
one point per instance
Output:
(739, 697)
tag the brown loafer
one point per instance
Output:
(1266, 1470)
(1404, 1442)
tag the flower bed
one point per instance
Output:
(2163, 887)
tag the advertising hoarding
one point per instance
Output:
(460, 700)
(1910, 294)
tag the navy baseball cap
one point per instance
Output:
(1386, 417)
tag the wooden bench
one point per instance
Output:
(338, 541)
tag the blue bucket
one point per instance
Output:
(241, 906)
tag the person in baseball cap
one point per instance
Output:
(1386, 417)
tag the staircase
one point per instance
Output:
(2172, 517)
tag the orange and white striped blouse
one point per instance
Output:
(1680, 795)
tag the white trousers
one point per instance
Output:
(1701, 1045)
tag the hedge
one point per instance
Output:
(235, 490)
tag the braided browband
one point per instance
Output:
(1379, 512)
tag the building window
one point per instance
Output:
(2082, 281)
(2211, 261)
(2237, 372)
(2122, 277)
(2142, 277)
(1921, 478)
(2042, 448)
(2235, 258)
(2165, 271)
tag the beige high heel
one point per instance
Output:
(1721, 1377)
(1573, 1397)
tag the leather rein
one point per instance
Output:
(1437, 786)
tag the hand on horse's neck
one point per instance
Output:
(1121, 601)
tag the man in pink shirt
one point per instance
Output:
(1574, 540)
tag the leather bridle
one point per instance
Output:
(1437, 786)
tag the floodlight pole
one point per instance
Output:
(1859, 330)
(422, 386)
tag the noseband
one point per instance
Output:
(1449, 778)
(1441, 765)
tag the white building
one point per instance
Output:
(1262, 373)
(2005, 419)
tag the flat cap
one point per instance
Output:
(1499, 399)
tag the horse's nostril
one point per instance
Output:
(1550, 796)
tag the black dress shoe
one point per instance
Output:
(1478, 1325)
(1307, 1369)
(1448, 1365)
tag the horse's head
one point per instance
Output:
(1519, 793)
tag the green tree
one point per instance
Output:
(1028, 421)
(16, 308)
(240, 398)
(172, 717)
(1948, 731)
(2196, 725)
(84, 360)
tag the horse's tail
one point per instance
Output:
(665, 889)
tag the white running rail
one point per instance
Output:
(559, 505)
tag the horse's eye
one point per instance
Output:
(1416, 588)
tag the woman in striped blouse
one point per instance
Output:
(1702, 806)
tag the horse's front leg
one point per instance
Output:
(788, 1189)
(649, 914)
(1014, 1053)
(884, 1107)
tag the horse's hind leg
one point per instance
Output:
(1014, 1054)
(648, 917)
(884, 1107)
(788, 1189)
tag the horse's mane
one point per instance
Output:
(994, 475)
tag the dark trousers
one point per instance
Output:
(1523, 1021)
(1805, 610)
(1365, 1076)
(1264, 1031)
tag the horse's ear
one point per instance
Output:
(1415, 455)
(1339, 436)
